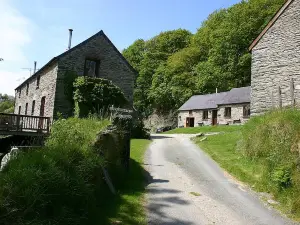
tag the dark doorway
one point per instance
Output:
(190, 122)
(42, 109)
(42, 113)
(214, 117)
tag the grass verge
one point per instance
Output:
(264, 154)
(128, 206)
(222, 149)
(204, 129)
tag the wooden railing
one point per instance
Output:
(14, 123)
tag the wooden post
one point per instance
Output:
(18, 122)
(48, 125)
(272, 99)
(292, 93)
(279, 97)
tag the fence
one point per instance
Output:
(14, 123)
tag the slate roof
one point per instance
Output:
(236, 96)
(211, 101)
(271, 23)
(55, 59)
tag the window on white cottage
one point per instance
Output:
(246, 111)
(91, 68)
(205, 115)
(227, 112)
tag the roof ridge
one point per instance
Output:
(271, 23)
(101, 33)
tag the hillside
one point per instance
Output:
(175, 65)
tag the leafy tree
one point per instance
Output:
(135, 53)
(6, 104)
(175, 65)
(147, 56)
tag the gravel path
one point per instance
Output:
(188, 188)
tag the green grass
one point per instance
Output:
(204, 129)
(128, 207)
(60, 183)
(264, 153)
(222, 149)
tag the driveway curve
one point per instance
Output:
(189, 188)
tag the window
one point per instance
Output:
(246, 111)
(27, 88)
(191, 112)
(20, 90)
(38, 82)
(227, 112)
(19, 110)
(205, 115)
(91, 68)
(32, 108)
(26, 107)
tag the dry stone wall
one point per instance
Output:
(46, 88)
(275, 61)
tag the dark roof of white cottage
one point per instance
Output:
(211, 101)
(237, 96)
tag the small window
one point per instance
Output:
(227, 112)
(91, 68)
(27, 88)
(38, 82)
(191, 112)
(20, 92)
(246, 111)
(32, 108)
(205, 115)
(26, 108)
(20, 110)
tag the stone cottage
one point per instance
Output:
(225, 108)
(275, 76)
(43, 93)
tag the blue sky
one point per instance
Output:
(38, 29)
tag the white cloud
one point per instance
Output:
(15, 35)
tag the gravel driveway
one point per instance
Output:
(187, 187)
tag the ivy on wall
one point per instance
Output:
(94, 94)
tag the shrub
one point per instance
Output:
(93, 94)
(59, 184)
(273, 139)
(139, 131)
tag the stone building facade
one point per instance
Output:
(226, 108)
(275, 76)
(96, 56)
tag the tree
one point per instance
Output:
(6, 104)
(175, 65)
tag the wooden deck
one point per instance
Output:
(15, 124)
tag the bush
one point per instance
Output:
(93, 94)
(273, 139)
(59, 184)
(139, 131)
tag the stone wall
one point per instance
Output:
(112, 67)
(197, 114)
(237, 112)
(46, 89)
(275, 60)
